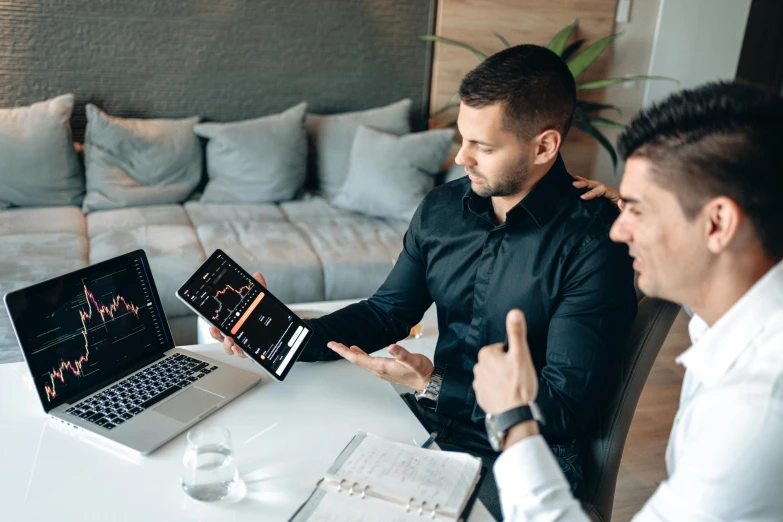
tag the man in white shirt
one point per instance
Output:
(703, 221)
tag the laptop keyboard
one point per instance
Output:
(132, 395)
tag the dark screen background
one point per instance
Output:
(79, 329)
(238, 305)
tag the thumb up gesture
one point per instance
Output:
(506, 379)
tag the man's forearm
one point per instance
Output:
(521, 431)
(365, 324)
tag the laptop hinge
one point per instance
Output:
(116, 377)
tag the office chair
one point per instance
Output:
(601, 452)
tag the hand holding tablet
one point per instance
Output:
(241, 307)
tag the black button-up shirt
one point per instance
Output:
(552, 258)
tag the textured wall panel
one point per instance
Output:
(224, 60)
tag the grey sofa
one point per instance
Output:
(307, 249)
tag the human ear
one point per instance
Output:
(723, 217)
(547, 146)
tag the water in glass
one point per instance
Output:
(210, 472)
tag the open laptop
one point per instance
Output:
(103, 360)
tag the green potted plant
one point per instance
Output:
(586, 114)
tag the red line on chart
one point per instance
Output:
(221, 292)
(76, 366)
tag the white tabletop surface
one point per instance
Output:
(285, 436)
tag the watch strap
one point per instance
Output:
(429, 396)
(509, 419)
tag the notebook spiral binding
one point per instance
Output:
(424, 508)
(351, 489)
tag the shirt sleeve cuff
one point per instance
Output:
(453, 394)
(525, 469)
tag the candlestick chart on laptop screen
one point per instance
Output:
(79, 329)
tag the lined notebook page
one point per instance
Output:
(404, 471)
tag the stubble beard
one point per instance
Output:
(510, 183)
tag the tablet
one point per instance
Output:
(228, 298)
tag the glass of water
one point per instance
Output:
(209, 471)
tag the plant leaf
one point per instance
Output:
(606, 82)
(453, 101)
(571, 49)
(593, 107)
(434, 38)
(503, 40)
(582, 61)
(585, 126)
(558, 43)
(600, 121)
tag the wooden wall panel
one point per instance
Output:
(520, 21)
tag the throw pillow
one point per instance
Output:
(333, 136)
(389, 175)
(38, 164)
(256, 161)
(132, 162)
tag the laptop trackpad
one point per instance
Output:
(189, 404)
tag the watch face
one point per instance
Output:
(492, 432)
(536, 412)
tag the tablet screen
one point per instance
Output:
(239, 306)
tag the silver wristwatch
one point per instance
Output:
(429, 396)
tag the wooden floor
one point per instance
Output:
(642, 467)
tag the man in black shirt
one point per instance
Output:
(514, 233)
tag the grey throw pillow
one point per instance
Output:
(390, 175)
(38, 164)
(133, 162)
(256, 161)
(333, 136)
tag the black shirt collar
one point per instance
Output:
(538, 204)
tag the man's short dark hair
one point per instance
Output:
(534, 85)
(721, 139)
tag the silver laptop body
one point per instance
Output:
(103, 360)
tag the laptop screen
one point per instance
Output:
(78, 330)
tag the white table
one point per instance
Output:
(285, 436)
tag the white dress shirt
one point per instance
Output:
(725, 453)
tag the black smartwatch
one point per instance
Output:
(497, 425)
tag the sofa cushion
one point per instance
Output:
(357, 253)
(133, 162)
(173, 251)
(316, 208)
(256, 161)
(16, 272)
(205, 213)
(332, 137)
(276, 249)
(454, 172)
(389, 175)
(311, 208)
(43, 246)
(38, 220)
(9, 348)
(127, 218)
(38, 164)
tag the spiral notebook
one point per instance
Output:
(375, 479)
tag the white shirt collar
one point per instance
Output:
(715, 349)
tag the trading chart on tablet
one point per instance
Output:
(243, 309)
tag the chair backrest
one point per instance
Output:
(603, 450)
